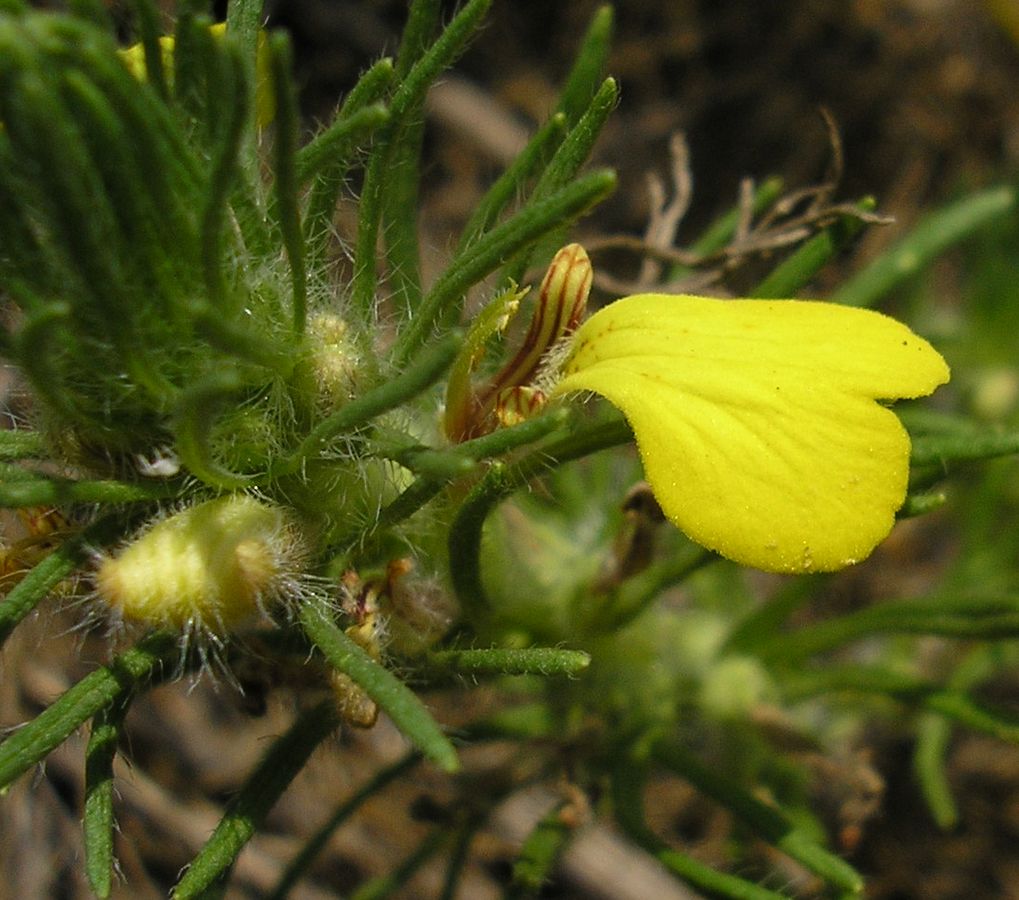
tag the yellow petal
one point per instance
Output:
(757, 420)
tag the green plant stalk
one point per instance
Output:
(394, 698)
(144, 663)
(547, 661)
(796, 271)
(627, 784)
(767, 821)
(98, 819)
(407, 98)
(931, 236)
(247, 810)
(443, 304)
(317, 842)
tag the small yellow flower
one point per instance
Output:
(133, 58)
(215, 566)
(758, 421)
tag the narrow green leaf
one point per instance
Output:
(995, 617)
(43, 491)
(768, 821)
(442, 305)
(398, 701)
(286, 180)
(18, 444)
(540, 852)
(194, 422)
(943, 450)
(147, 19)
(406, 99)
(581, 84)
(152, 658)
(300, 864)
(925, 242)
(796, 271)
(383, 886)
(336, 142)
(547, 661)
(510, 185)
(98, 819)
(628, 780)
(325, 190)
(284, 760)
(933, 736)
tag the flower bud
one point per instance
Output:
(216, 566)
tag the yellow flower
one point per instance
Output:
(265, 103)
(758, 421)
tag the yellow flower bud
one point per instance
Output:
(215, 566)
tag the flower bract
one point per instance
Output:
(759, 422)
